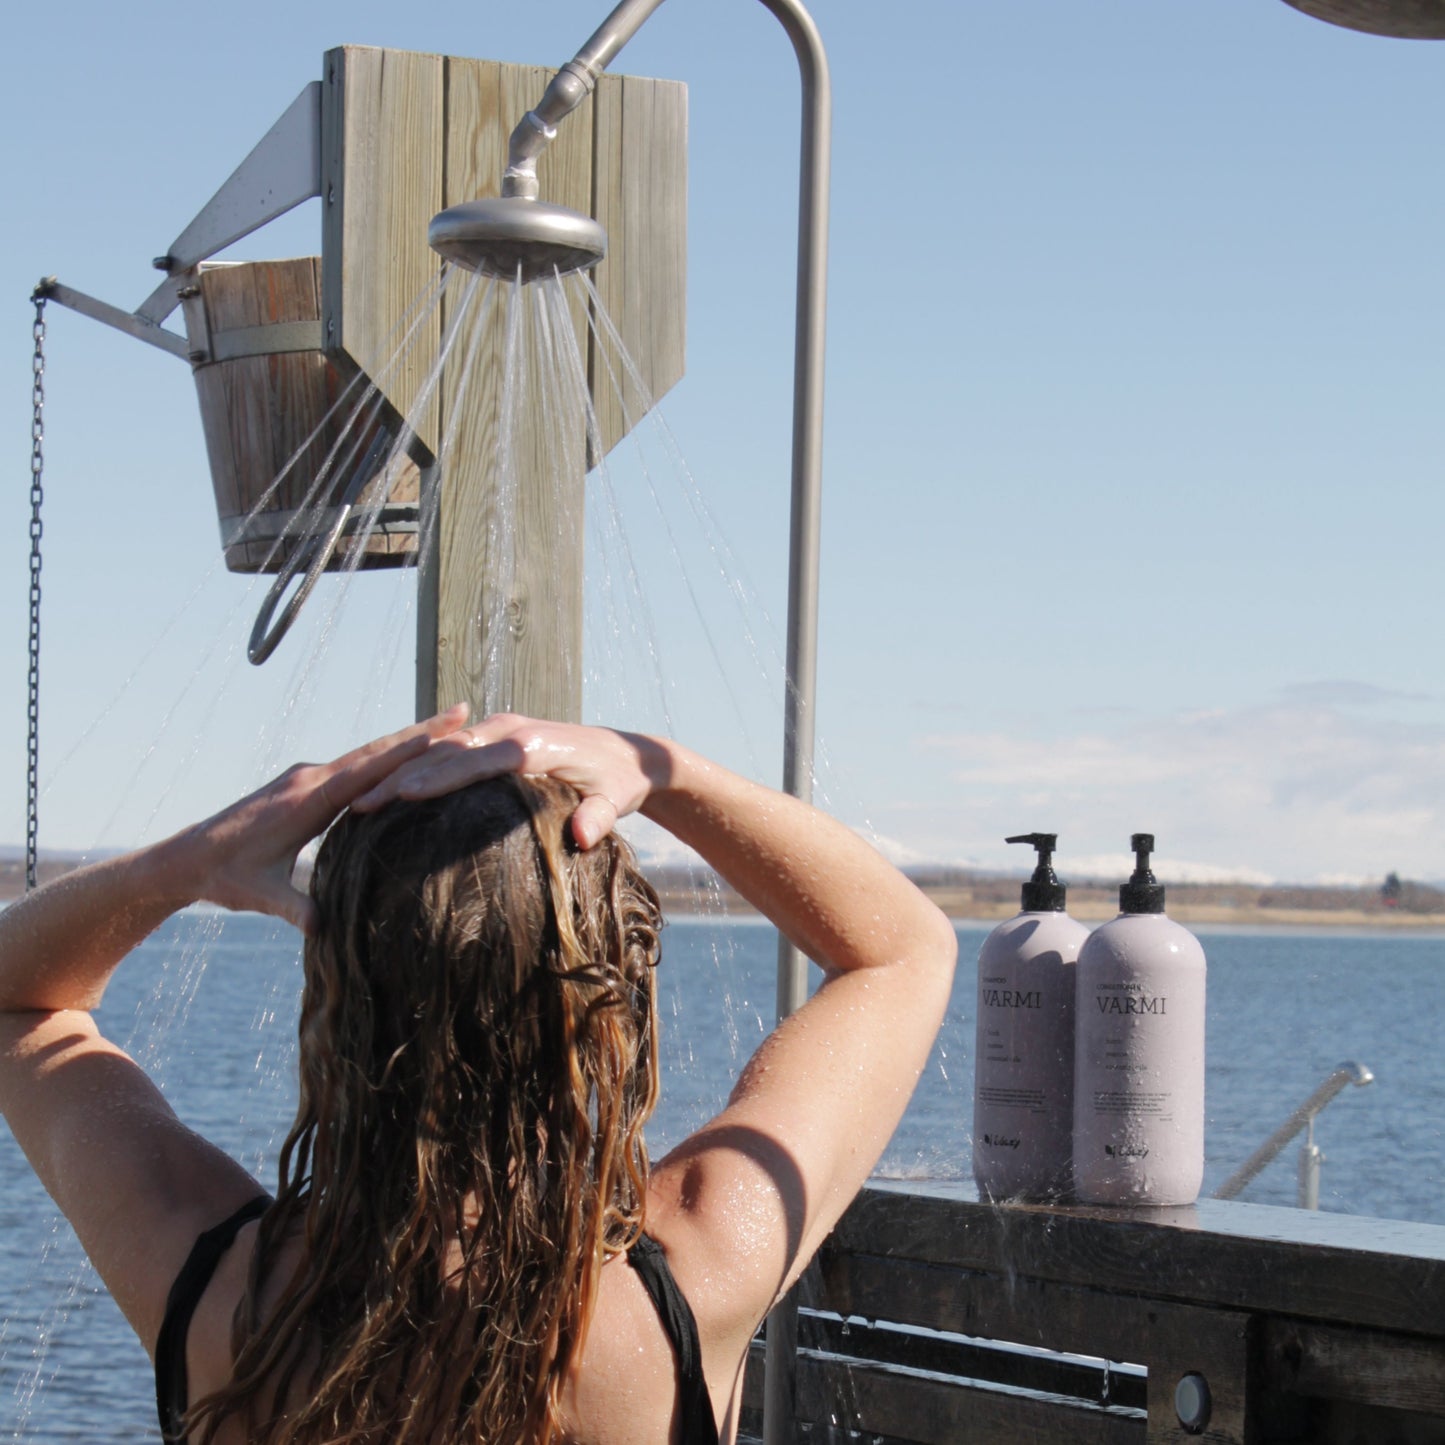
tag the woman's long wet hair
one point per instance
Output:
(478, 1056)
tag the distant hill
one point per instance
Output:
(53, 863)
(967, 894)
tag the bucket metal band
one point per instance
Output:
(275, 340)
(394, 519)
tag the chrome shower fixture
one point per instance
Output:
(511, 237)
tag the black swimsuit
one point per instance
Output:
(646, 1257)
(172, 1387)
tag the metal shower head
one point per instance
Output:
(501, 236)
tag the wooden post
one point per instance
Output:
(404, 136)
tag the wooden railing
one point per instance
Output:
(931, 1318)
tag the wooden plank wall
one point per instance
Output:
(404, 136)
(1309, 1329)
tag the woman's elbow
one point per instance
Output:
(939, 940)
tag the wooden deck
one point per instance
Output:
(931, 1318)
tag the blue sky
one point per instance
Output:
(1133, 442)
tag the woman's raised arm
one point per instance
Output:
(750, 1197)
(135, 1183)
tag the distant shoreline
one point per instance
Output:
(988, 899)
(695, 905)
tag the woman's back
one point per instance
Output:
(625, 1389)
(447, 1257)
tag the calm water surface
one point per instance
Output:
(209, 1004)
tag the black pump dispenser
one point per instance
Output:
(1143, 893)
(1043, 893)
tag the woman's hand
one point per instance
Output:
(614, 772)
(246, 853)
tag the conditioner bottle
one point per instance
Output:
(1024, 1048)
(1139, 1062)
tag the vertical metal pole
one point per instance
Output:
(780, 1379)
(1310, 1159)
(428, 578)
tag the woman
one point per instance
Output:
(467, 1243)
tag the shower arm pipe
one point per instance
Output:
(568, 89)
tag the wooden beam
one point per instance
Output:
(1365, 1272)
(404, 135)
(509, 548)
(1327, 1361)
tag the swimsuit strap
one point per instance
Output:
(699, 1427)
(646, 1256)
(172, 1387)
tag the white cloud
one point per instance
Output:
(1289, 790)
(1118, 866)
(1343, 692)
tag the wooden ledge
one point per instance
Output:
(1346, 1269)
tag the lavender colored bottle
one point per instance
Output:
(1024, 1046)
(1139, 1061)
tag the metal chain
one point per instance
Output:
(37, 496)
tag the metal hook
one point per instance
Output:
(313, 555)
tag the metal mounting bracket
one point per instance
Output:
(133, 324)
(282, 170)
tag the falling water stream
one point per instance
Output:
(655, 556)
(631, 676)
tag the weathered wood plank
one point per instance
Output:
(641, 199)
(382, 148)
(530, 547)
(608, 208)
(544, 611)
(666, 154)
(1234, 1256)
(449, 641)
(1396, 1371)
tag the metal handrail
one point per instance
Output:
(1303, 1118)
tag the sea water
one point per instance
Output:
(1284, 1009)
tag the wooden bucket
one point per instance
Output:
(265, 386)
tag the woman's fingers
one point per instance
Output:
(447, 765)
(612, 771)
(365, 767)
(278, 897)
(593, 820)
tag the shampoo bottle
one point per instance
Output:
(1139, 1060)
(1024, 1047)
